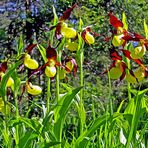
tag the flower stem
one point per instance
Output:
(109, 96)
(17, 116)
(48, 95)
(59, 54)
(81, 92)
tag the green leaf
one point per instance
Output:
(124, 21)
(81, 24)
(24, 142)
(86, 135)
(61, 111)
(55, 16)
(6, 77)
(43, 52)
(145, 29)
(50, 144)
(20, 44)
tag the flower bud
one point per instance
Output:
(115, 73)
(117, 40)
(33, 89)
(50, 71)
(30, 63)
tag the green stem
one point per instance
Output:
(81, 84)
(48, 95)
(109, 96)
(129, 90)
(17, 116)
(59, 53)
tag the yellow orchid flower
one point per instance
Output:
(33, 89)
(30, 63)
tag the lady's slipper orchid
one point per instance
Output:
(87, 37)
(50, 71)
(69, 65)
(30, 63)
(117, 40)
(120, 31)
(33, 89)
(67, 32)
(62, 28)
(138, 52)
(115, 72)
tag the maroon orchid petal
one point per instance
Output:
(126, 53)
(58, 31)
(51, 53)
(129, 37)
(146, 45)
(75, 66)
(114, 54)
(83, 35)
(67, 13)
(30, 47)
(123, 67)
(39, 70)
(138, 36)
(3, 67)
(138, 61)
(146, 72)
(114, 21)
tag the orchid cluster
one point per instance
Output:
(68, 65)
(127, 48)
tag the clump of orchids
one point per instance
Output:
(127, 48)
(65, 65)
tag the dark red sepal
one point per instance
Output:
(123, 66)
(58, 31)
(138, 61)
(30, 47)
(67, 13)
(51, 53)
(126, 53)
(114, 21)
(3, 67)
(114, 54)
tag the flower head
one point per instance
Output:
(30, 63)
(87, 36)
